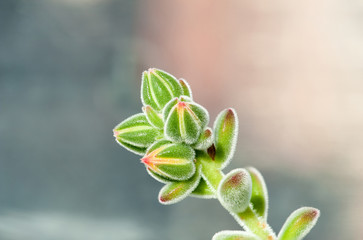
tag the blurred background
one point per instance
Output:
(70, 70)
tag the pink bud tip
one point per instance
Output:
(116, 133)
(181, 104)
(151, 70)
(146, 160)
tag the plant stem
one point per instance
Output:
(249, 219)
(253, 223)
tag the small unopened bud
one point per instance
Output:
(153, 117)
(225, 136)
(235, 189)
(136, 133)
(299, 223)
(170, 160)
(205, 140)
(234, 235)
(158, 88)
(185, 122)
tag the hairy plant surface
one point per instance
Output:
(181, 151)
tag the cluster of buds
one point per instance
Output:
(179, 150)
(170, 134)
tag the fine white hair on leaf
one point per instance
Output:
(259, 198)
(232, 137)
(180, 191)
(235, 189)
(299, 223)
(230, 234)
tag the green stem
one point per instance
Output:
(256, 225)
(248, 218)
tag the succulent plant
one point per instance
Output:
(182, 152)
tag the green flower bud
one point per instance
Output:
(234, 191)
(158, 88)
(234, 235)
(170, 160)
(259, 198)
(225, 136)
(185, 121)
(153, 117)
(136, 133)
(187, 91)
(172, 103)
(176, 191)
(299, 223)
(205, 140)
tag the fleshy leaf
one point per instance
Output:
(170, 160)
(205, 140)
(177, 191)
(202, 190)
(235, 190)
(136, 133)
(158, 88)
(187, 91)
(299, 224)
(185, 122)
(153, 117)
(234, 235)
(225, 136)
(259, 198)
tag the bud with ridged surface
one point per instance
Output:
(136, 133)
(158, 88)
(173, 161)
(184, 121)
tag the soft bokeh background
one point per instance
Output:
(70, 71)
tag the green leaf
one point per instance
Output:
(234, 235)
(153, 117)
(158, 88)
(176, 191)
(187, 91)
(235, 190)
(185, 122)
(136, 133)
(170, 160)
(225, 136)
(299, 224)
(205, 140)
(259, 198)
(202, 190)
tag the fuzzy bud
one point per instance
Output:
(158, 88)
(235, 189)
(136, 133)
(170, 160)
(185, 121)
